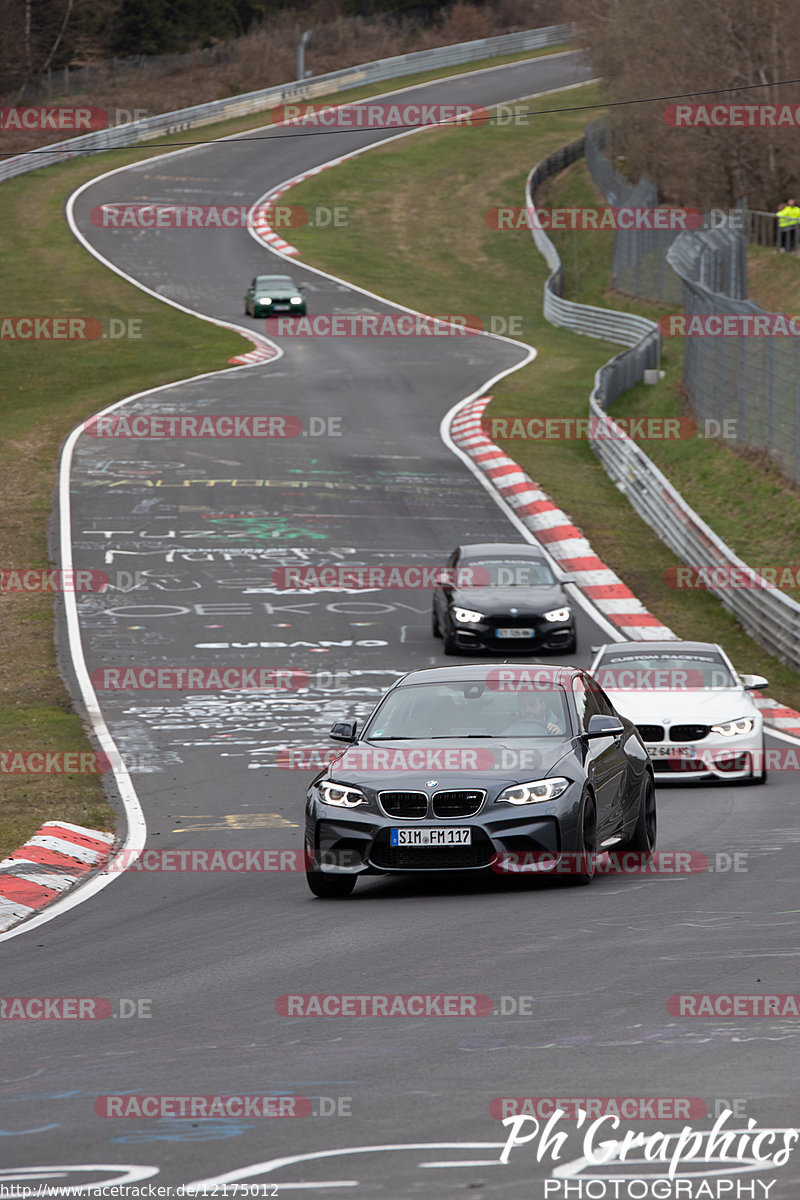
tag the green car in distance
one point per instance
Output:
(271, 294)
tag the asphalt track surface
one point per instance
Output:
(211, 952)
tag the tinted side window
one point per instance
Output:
(604, 704)
(579, 696)
(596, 703)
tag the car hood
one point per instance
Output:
(457, 763)
(500, 600)
(683, 707)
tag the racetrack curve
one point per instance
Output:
(207, 522)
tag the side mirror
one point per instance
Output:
(754, 683)
(301, 287)
(600, 726)
(344, 731)
(570, 579)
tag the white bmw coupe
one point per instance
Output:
(696, 714)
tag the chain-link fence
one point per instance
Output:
(628, 329)
(740, 374)
(614, 186)
(640, 266)
(64, 81)
(747, 375)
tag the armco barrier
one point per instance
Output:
(768, 615)
(319, 85)
(627, 329)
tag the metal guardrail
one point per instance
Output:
(319, 85)
(767, 614)
(626, 329)
(762, 229)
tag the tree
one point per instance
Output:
(739, 49)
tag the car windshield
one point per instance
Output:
(275, 282)
(469, 708)
(507, 572)
(674, 672)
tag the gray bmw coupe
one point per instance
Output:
(464, 768)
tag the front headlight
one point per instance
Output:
(339, 794)
(264, 300)
(295, 299)
(734, 728)
(534, 792)
(558, 614)
(467, 616)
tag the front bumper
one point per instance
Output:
(355, 843)
(550, 635)
(279, 310)
(714, 758)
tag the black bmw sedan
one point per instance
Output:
(502, 597)
(462, 768)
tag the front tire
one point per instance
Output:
(586, 848)
(435, 624)
(450, 646)
(330, 887)
(762, 776)
(643, 839)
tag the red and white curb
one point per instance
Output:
(263, 352)
(778, 716)
(554, 529)
(56, 857)
(260, 223)
(573, 552)
(259, 217)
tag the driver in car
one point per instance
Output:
(536, 712)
